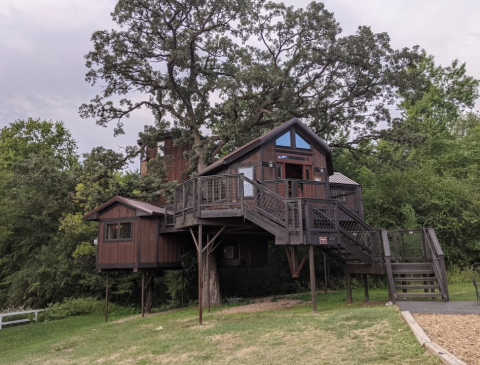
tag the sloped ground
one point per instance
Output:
(274, 331)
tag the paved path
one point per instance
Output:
(440, 307)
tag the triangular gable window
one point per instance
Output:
(284, 140)
(300, 142)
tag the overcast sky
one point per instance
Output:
(43, 43)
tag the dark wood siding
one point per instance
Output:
(120, 252)
(177, 163)
(320, 163)
(268, 154)
(172, 247)
(117, 210)
(147, 240)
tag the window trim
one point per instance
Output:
(118, 231)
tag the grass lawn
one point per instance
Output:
(337, 334)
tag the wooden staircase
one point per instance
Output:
(415, 280)
(416, 267)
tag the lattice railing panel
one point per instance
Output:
(293, 216)
(261, 200)
(350, 223)
(321, 216)
(406, 246)
(345, 195)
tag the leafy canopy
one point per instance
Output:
(238, 67)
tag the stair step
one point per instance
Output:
(413, 272)
(419, 295)
(415, 278)
(412, 265)
(417, 287)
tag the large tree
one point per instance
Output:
(237, 67)
(222, 72)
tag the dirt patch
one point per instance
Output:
(261, 306)
(457, 333)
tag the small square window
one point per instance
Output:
(112, 231)
(125, 230)
(118, 231)
(161, 148)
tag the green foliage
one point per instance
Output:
(432, 179)
(80, 306)
(459, 275)
(22, 139)
(173, 282)
(410, 217)
(264, 61)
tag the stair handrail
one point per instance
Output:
(335, 222)
(438, 259)
(358, 220)
(355, 217)
(280, 219)
(388, 265)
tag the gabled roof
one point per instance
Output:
(339, 178)
(143, 209)
(276, 132)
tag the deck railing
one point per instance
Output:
(347, 195)
(231, 195)
(434, 253)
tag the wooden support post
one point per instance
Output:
(349, 288)
(390, 290)
(200, 274)
(208, 275)
(365, 287)
(183, 286)
(106, 300)
(312, 279)
(325, 271)
(143, 294)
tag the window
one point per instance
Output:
(161, 148)
(248, 173)
(307, 174)
(118, 231)
(300, 142)
(284, 140)
(279, 171)
(290, 157)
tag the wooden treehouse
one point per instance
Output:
(281, 187)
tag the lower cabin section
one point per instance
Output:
(243, 251)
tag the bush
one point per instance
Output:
(80, 306)
(458, 275)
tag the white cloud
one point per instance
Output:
(43, 43)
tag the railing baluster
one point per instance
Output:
(240, 192)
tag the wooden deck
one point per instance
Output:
(234, 200)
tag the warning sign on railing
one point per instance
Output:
(323, 240)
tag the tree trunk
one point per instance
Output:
(211, 281)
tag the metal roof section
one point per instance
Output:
(339, 178)
(146, 209)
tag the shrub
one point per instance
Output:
(80, 306)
